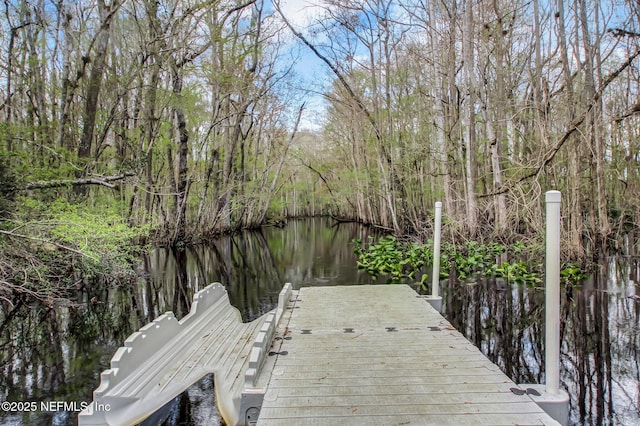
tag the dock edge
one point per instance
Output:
(252, 396)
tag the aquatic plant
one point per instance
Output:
(571, 274)
(517, 273)
(404, 261)
(399, 260)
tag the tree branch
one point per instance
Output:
(621, 32)
(343, 81)
(102, 181)
(44, 240)
(633, 110)
(550, 155)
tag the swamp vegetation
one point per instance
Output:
(169, 122)
(405, 261)
(132, 126)
(600, 347)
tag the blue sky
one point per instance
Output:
(314, 75)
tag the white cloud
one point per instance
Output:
(301, 13)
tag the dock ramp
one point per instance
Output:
(165, 357)
(347, 355)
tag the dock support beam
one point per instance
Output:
(435, 300)
(550, 397)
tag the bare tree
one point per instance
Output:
(470, 128)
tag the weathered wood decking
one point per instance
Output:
(346, 355)
(381, 355)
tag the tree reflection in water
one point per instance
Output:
(57, 353)
(599, 333)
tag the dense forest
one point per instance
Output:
(167, 122)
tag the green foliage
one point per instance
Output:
(518, 247)
(389, 257)
(276, 207)
(471, 258)
(571, 274)
(383, 257)
(403, 261)
(101, 236)
(98, 241)
(517, 273)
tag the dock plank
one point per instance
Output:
(381, 355)
(404, 420)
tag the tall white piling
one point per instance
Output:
(552, 294)
(435, 279)
(434, 299)
(553, 400)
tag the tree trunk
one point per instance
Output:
(182, 183)
(272, 188)
(439, 69)
(470, 133)
(592, 132)
(501, 107)
(150, 122)
(573, 199)
(500, 206)
(94, 84)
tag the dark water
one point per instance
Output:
(600, 325)
(56, 355)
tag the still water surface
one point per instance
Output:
(61, 354)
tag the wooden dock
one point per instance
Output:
(381, 355)
(344, 355)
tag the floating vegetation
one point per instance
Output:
(399, 261)
(404, 261)
(518, 272)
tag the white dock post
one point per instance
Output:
(435, 300)
(550, 397)
(552, 294)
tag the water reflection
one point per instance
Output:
(599, 338)
(600, 347)
(56, 353)
(51, 353)
(504, 321)
(253, 266)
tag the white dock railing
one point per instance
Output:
(166, 356)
